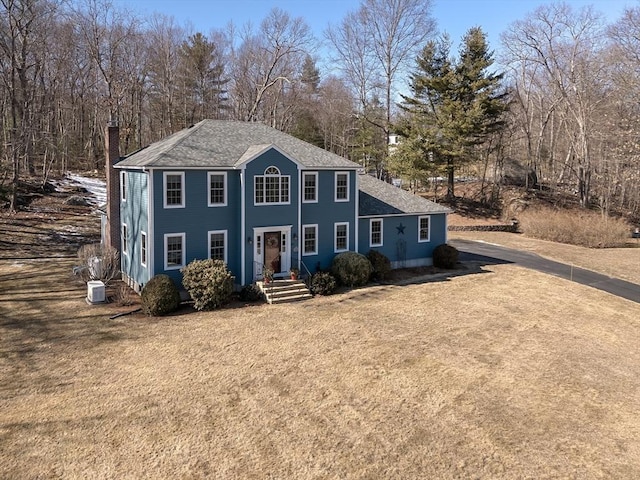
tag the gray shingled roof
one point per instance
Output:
(222, 143)
(380, 198)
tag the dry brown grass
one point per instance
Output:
(503, 374)
(575, 227)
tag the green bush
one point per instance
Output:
(251, 293)
(351, 269)
(160, 296)
(381, 264)
(323, 283)
(445, 256)
(209, 283)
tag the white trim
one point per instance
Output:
(144, 247)
(124, 238)
(150, 227)
(243, 228)
(446, 228)
(428, 239)
(356, 209)
(285, 248)
(335, 237)
(409, 214)
(224, 233)
(123, 186)
(225, 189)
(315, 248)
(371, 221)
(335, 187)
(313, 174)
(183, 189)
(184, 250)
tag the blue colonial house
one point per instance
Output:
(255, 197)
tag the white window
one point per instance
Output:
(217, 186)
(271, 188)
(310, 186)
(173, 189)
(123, 186)
(423, 228)
(125, 239)
(341, 237)
(218, 245)
(342, 187)
(309, 239)
(375, 229)
(143, 249)
(174, 251)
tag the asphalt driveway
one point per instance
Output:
(494, 254)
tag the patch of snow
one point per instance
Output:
(96, 187)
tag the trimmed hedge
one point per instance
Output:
(351, 268)
(445, 256)
(323, 283)
(209, 283)
(160, 296)
(380, 263)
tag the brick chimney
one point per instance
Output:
(112, 152)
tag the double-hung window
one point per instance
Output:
(217, 184)
(310, 239)
(173, 189)
(218, 245)
(310, 186)
(174, 251)
(423, 228)
(375, 226)
(342, 187)
(125, 239)
(123, 186)
(143, 249)
(341, 237)
(271, 188)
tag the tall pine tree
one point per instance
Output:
(454, 105)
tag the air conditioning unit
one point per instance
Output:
(95, 292)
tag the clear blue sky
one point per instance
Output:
(453, 16)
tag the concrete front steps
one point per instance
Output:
(282, 291)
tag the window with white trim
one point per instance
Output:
(272, 187)
(143, 249)
(342, 187)
(218, 245)
(341, 237)
(310, 187)
(173, 189)
(125, 239)
(424, 224)
(174, 251)
(217, 186)
(375, 232)
(309, 239)
(123, 186)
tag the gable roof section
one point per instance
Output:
(378, 198)
(227, 144)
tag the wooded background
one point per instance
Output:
(569, 82)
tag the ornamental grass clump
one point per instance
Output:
(209, 283)
(160, 296)
(351, 269)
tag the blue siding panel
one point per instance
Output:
(133, 213)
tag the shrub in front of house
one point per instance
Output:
(351, 268)
(323, 283)
(251, 293)
(445, 256)
(209, 283)
(380, 263)
(160, 296)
